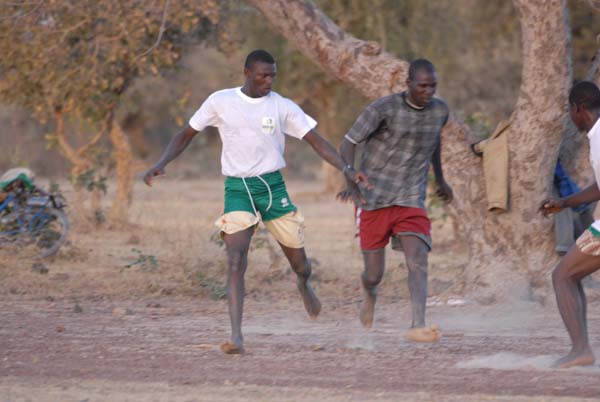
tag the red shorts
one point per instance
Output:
(376, 227)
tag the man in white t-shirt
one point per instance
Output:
(252, 121)
(583, 258)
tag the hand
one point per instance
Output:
(350, 193)
(357, 177)
(155, 171)
(552, 206)
(444, 191)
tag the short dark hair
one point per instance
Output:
(586, 94)
(420, 65)
(258, 55)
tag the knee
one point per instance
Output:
(372, 279)
(559, 274)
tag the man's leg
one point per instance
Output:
(237, 245)
(301, 266)
(370, 278)
(572, 304)
(416, 252)
(564, 230)
(586, 218)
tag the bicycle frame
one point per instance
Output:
(29, 218)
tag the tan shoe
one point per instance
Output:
(424, 334)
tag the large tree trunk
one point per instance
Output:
(123, 157)
(511, 253)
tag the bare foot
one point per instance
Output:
(231, 348)
(309, 298)
(367, 309)
(584, 358)
(424, 334)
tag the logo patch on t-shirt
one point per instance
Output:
(284, 202)
(268, 125)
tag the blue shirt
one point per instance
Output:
(566, 186)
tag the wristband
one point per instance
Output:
(347, 168)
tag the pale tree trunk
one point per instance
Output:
(511, 254)
(594, 71)
(123, 157)
(81, 161)
(79, 165)
(133, 126)
(333, 179)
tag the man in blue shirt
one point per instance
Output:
(569, 223)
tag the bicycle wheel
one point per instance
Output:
(49, 231)
(9, 230)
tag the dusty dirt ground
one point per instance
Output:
(138, 314)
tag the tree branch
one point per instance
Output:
(161, 31)
(103, 129)
(18, 16)
(72, 28)
(61, 139)
(360, 64)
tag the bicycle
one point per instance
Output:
(35, 220)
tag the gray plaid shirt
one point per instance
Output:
(399, 144)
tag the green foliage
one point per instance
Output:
(434, 203)
(90, 180)
(146, 262)
(212, 285)
(260, 239)
(585, 23)
(81, 55)
(215, 238)
(480, 124)
(54, 188)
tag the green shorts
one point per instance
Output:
(269, 196)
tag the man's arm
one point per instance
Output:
(177, 145)
(587, 195)
(327, 151)
(444, 191)
(347, 152)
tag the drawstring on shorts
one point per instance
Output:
(250, 194)
(269, 190)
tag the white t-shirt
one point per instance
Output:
(594, 137)
(252, 129)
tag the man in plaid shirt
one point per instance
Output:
(402, 136)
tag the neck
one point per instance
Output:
(592, 119)
(248, 92)
(411, 103)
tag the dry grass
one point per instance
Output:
(168, 250)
